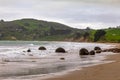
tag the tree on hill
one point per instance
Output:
(99, 34)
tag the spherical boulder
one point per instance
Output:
(92, 52)
(83, 51)
(60, 50)
(97, 48)
(42, 48)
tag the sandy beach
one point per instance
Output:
(109, 71)
(36, 67)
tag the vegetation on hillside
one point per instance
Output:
(32, 29)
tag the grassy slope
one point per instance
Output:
(113, 35)
(34, 30)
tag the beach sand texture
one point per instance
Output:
(109, 71)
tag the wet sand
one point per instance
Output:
(109, 71)
(29, 70)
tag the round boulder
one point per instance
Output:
(97, 48)
(92, 52)
(60, 50)
(83, 51)
(42, 48)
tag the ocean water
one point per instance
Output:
(16, 63)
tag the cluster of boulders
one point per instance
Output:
(114, 50)
(58, 50)
(84, 51)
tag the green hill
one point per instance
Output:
(111, 35)
(32, 29)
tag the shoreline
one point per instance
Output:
(64, 75)
(107, 71)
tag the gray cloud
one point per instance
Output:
(76, 13)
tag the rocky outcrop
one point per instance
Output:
(114, 50)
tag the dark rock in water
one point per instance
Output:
(83, 51)
(97, 48)
(92, 52)
(115, 50)
(42, 48)
(60, 50)
(62, 58)
(28, 50)
(98, 51)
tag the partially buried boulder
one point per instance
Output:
(42, 48)
(98, 49)
(60, 50)
(92, 52)
(83, 51)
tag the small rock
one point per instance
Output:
(62, 58)
(28, 50)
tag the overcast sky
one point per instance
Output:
(75, 13)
